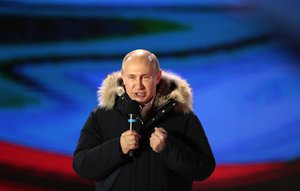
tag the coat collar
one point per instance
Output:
(171, 87)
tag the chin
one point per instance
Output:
(141, 101)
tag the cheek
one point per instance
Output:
(151, 87)
(127, 86)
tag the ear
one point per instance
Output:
(158, 76)
(122, 74)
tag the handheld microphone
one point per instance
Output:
(132, 110)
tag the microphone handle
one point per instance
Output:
(131, 127)
(132, 124)
(130, 153)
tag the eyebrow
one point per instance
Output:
(145, 74)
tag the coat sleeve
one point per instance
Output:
(93, 158)
(189, 157)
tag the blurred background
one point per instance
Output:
(241, 58)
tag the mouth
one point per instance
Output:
(140, 94)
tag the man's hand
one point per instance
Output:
(158, 139)
(129, 141)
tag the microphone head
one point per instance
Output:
(133, 107)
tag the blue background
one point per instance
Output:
(243, 68)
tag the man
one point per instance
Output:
(170, 149)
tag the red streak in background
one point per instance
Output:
(24, 157)
(13, 186)
(225, 176)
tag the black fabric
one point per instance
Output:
(186, 157)
(107, 183)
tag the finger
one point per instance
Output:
(160, 135)
(131, 132)
(128, 132)
(133, 138)
(131, 135)
(135, 134)
(155, 140)
(160, 129)
(154, 146)
(153, 143)
(129, 141)
(133, 146)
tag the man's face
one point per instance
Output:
(140, 79)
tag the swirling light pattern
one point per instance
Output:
(53, 58)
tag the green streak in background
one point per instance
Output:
(10, 98)
(48, 30)
(14, 96)
(136, 27)
(42, 29)
(155, 26)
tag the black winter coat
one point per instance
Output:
(185, 158)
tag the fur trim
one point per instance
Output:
(171, 86)
(110, 88)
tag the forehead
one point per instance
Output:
(138, 64)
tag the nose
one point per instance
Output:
(140, 84)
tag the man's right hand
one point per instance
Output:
(129, 141)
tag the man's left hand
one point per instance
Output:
(158, 139)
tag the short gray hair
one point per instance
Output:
(143, 53)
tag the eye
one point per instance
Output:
(146, 77)
(131, 77)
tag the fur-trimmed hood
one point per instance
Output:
(171, 86)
